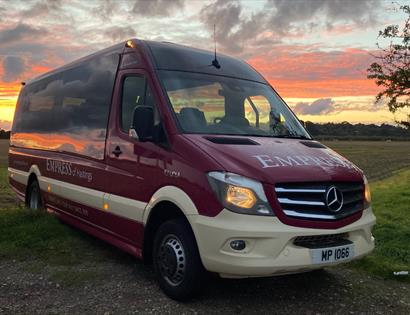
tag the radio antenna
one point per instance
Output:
(215, 62)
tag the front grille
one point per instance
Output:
(308, 200)
(320, 241)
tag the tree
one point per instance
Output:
(391, 70)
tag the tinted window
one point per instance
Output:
(68, 111)
(86, 93)
(37, 107)
(135, 91)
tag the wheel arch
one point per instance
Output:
(34, 174)
(167, 203)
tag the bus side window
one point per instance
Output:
(133, 94)
(135, 91)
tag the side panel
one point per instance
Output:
(74, 187)
(136, 171)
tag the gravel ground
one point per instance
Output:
(122, 285)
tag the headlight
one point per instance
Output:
(240, 194)
(367, 197)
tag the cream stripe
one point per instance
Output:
(126, 207)
(86, 196)
(19, 176)
(121, 206)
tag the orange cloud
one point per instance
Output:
(40, 69)
(323, 88)
(9, 90)
(297, 73)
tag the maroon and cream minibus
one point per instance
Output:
(189, 161)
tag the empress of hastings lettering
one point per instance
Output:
(327, 160)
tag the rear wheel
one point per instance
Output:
(176, 260)
(34, 200)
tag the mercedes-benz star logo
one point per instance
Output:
(334, 199)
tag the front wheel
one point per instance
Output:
(176, 260)
(34, 200)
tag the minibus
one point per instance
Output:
(188, 160)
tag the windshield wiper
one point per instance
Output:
(273, 136)
(292, 137)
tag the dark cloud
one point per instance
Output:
(37, 9)
(41, 8)
(360, 12)
(318, 107)
(232, 29)
(106, 9)
(13, 67)
(19, 32)
(281, 18)
(119, 33)
(156, 7)
(297, 15)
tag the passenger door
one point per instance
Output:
(134, 168)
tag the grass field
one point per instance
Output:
(391, 204)
(26, 235)
(4, 146)
(378, 159)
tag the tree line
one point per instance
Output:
(348, 131)
(4, 134)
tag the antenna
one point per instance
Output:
(215, 62)
(215, 40)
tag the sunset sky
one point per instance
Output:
(314, 52)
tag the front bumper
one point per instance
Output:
(269, 244)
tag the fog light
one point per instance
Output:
(238, 245)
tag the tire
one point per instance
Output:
(177, 264)
(34, 200)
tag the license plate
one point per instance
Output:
(332, 254)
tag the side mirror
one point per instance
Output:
(142, 123)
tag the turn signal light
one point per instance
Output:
(367, 195)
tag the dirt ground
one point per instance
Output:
(122, 285)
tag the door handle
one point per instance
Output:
(117, 152)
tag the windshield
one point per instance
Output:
(213, 104)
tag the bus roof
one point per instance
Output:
(170, 56)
